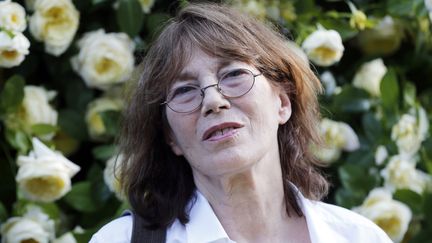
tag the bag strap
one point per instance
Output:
(142, 234)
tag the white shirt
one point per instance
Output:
(325, 222)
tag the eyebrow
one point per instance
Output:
(185, 75)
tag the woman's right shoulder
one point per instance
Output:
(116, 231)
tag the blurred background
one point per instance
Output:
(65, 64)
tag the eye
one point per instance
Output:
(182, 91)
(235, 73)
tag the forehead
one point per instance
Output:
(201, 61)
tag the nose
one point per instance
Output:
(213, 101)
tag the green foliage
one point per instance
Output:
(129, 17)
(81, 198)
(12, 94)
(404, 45)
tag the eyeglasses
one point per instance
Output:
(188, 98)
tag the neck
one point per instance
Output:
(250, 204)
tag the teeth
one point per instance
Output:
(221, 132)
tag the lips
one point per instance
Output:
(220, 129)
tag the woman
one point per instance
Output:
(216, 139)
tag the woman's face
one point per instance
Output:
(226, 135)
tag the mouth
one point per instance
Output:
(221, 130)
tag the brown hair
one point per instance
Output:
(158, 183)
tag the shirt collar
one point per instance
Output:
(204, 226)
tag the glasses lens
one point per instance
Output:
(184, 98)
(236, 83)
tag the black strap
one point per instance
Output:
(142, 234)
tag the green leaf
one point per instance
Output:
(361, 157)
(3, 213)
(111, 120)
(72, 123)
(348, 199)
(389, 90)
(81, 198)
(130, 17)
(104, 152)
(84, 237)
(101, 192)
(352, 100)
(341, 26)
(12, 94)
(154, 21)
(305, 6)
(409, 94)
(19, 140)
(410, 198)
(74, 101)
(372, 127)
(401, 7)
(426, 154)
(427, 209)
(43, 129)
(358, 179)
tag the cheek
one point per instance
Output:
(181, 128)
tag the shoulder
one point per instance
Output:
(116, 231)
(344, 223)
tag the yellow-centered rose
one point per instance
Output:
(104, 59)
(14, 46)
(112, 176)
(369, 76)
(410, 131)
(390, 215)
(337, 136)
(54, 22)
(33, 226)
(12, 16)
(401, 173)
(324, 47)
(44, 175)
(95, 124)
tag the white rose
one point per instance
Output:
(44, 175)
(104, 58)
(95, 124)
(146, 5)
(12, 16)
(400, 173)
(428, 4)
(34, 226)
(65, 238)
(391, 215)
(13, 49)
(111, 175)
(324, 47)
(337, 136)
(380, 155)
(54, 22)
(383, 39)
(369, 76)
(410, 131)
(329, 82)
(36, 107)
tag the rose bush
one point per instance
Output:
(60, 80)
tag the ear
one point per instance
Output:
(172, 142)
(285, 107)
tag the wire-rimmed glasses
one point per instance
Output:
(188, 98)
